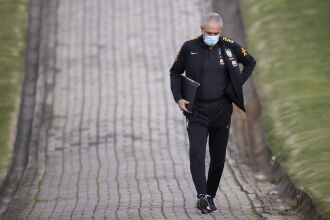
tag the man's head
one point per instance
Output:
(211, 27)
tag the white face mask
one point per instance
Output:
(211, 40)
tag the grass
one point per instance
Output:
(290, 41)
(13, 20)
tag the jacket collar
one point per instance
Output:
(200, 38)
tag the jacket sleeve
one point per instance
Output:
(176, 70)
(246, 59)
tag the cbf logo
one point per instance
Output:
(228, 52)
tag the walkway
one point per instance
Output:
(112, 142)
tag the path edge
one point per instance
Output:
(22, 136)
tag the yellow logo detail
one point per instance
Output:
(192, 80)
(177, 56)
(193, 38)
(228, 40)
(244, 51)
(193, 53)
(227, 126)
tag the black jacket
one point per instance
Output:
(190, 59)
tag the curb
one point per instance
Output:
(23, 132)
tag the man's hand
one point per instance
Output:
(182, 105)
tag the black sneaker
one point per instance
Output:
(213, 208)
(203, 204)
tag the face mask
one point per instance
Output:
(211, 40)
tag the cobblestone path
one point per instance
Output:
(111, 141)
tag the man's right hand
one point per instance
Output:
(182, 105)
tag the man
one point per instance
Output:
(213, 59)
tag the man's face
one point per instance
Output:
(211, 29)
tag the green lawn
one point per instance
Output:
(291, 42)
(13, 20)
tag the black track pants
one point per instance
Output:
(213, 119)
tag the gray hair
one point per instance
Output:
(211, 17)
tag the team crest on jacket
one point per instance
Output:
(228, 52)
